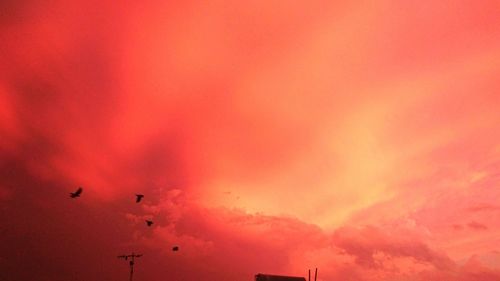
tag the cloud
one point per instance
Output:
(365, 243)
(477, 226)
(346, 142)
(473, 269)
(484, 208)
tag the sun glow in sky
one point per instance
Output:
(267, 136)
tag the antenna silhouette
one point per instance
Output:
(315, 275)
(132, 261)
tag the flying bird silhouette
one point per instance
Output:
(138, 198)
(175, 248)
(149, 223)
(76, 193)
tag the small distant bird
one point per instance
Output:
(175, 248)
(149, 223)
(139, 198)
(76, 193)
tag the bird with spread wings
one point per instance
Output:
(138, 198)
(77, 193)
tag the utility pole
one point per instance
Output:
(132, 261)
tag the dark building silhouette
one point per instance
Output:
(268, 277)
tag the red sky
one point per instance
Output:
(361, 138)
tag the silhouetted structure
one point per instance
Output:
(269, 277)
(138, 198)
(132, 261)
(315, 275)
(76, 193)
(149, 223)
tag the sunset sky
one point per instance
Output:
(358, 137)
